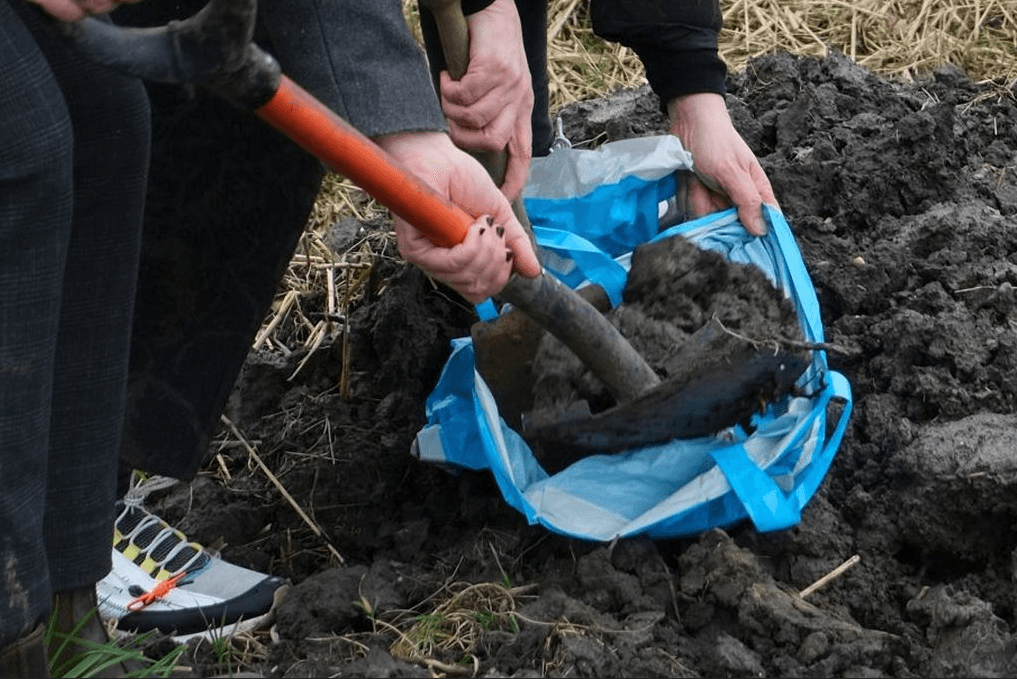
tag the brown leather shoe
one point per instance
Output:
(26, 657)
(77, 615)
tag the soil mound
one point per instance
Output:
(903, 197)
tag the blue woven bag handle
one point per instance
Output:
(767, 504)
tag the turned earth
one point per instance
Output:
(903, 198)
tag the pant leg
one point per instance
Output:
(110, 123)
(228, 199)
(533, 17)
(533, 20)
(35, 224)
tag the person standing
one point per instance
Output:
(74, 144)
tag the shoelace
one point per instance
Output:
(163, 551)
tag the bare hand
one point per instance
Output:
(727, 170)
(481, 265)
(489, 108)
(72, 10)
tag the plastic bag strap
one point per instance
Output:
(592, 263)
(796, 270)
(768, 506)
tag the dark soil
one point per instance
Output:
(903, 198)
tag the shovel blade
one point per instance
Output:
(504, 350)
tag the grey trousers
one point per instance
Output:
(73, 163)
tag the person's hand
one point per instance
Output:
(489, 108)
(479, 266)
(72, 10)
(727, 170)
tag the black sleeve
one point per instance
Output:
(675, 40)
(473, 6)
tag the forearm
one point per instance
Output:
(695, 106)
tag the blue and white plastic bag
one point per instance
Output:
(589, 210)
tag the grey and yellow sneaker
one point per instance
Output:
(162, 581)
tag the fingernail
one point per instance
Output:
(490, 221)
(500, 231)
(509, 255)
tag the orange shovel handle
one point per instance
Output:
(308, 122)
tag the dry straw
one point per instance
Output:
(905, 38)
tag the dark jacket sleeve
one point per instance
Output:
(675, 40)
(472, 6)
(359, 58)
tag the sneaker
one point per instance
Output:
(162, 581)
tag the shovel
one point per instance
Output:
(503, 348)
(214, 49)
(714, 380)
